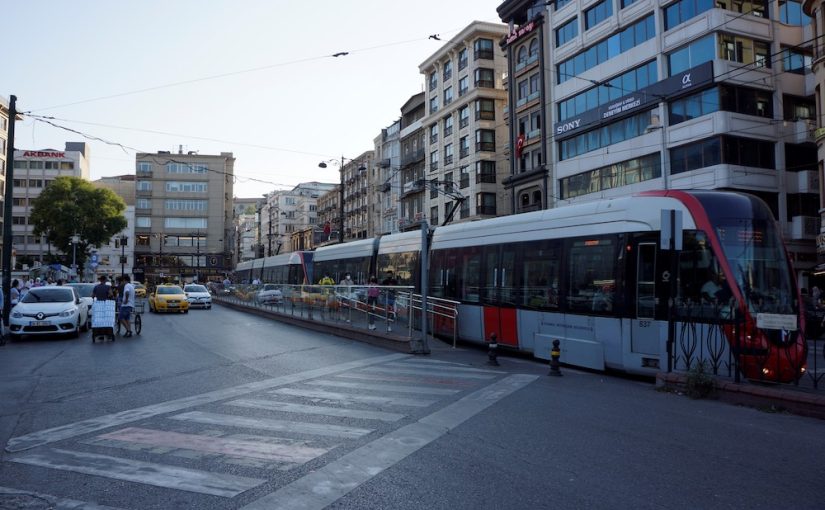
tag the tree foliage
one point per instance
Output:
(70, 205)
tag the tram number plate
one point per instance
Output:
(40, 323)
(776, 321)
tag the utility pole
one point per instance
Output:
(123, 241)
(9, 195)
(198, 257)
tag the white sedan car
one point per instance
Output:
(47, 310)
(198, 295)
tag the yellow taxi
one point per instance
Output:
(140, 290)
(168, 298)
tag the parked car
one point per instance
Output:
(47, 310)
(197, 295)
(270, 294)
(168, 298)
(84, 290)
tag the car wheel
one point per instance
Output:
(186, 311)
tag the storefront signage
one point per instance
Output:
(520, 32)
(43, 154)
(776, 321)
(667, 89)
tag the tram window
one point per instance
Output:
(540, 274)
(437, 275)
(403, 265)
(702, 289)
(592, 277)
(470, 283)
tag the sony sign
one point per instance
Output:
(567, 126)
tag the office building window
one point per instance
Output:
(796, 61)
(186, 205)
(485, 140)
(729, 150)
(725, 97)
(433, 161)
(448, 125)
(612, 176)
(144, 167)
(143, 203)
(433, 80)
(187, 168)
(606, 49)
(463, 147)
(605, 135)
(434, 133)
(187, 187)
(567, 31)
(463, 85)
(448, 70)
(608, 91)
(184, 222)
(143, 221)
(744, 50)
(448, 96)
(433, 104)
(598, 13)
(143, 185)
(790, 13)
(697, 52)
(448, 154)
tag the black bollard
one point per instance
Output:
(555, 353)
(492, 354)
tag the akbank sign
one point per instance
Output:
(668, 88)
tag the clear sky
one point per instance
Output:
(274, 95)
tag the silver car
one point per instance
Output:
(198, 295)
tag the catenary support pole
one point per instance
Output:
(7, 244)
(422, 346)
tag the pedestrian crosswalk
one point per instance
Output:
(277, 425)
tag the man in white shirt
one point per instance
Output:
(127, 305)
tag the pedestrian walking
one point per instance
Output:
(372, 298)
(127, 304)
(14, 292)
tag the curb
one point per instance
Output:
(386, 340)
(754, 395)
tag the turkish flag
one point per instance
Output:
(327, 229)
(519, 145)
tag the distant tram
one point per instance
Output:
(594, 276)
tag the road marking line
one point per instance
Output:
(384, 387)
(441, 368)
(54, 501)
(289, 407)
(429, 373)
(316, 429)
(328, 484)
(344, 398)
(42, 437)
(172, 477)
(294, 454)
(433, 381)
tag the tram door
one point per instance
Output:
(644, 328)
(498, 294)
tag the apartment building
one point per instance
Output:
(386, 189)
(690, 94)
(33, 171)
(413, 149)
(245, 228)
(464, 125)
(183, 216)
(286, 212)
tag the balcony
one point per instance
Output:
(143, 193)
(412, 157)
(485, 146)
(486, 210)
(486, 178)
(804, 131)
(448, 160)
(806, 181)
(464, 152)
(464, 182)
(483, 54)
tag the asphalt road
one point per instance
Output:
(219, 409)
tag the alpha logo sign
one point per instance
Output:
(667, 89)
(43, 154)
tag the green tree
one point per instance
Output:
(70, 205)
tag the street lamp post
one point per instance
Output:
(75, 240)
(123, 240)
(323, 164)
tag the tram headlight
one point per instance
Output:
(766, 371)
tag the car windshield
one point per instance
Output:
(50, 295)
(83, 289)
(170, 290)
(195, 288)
(270, 286)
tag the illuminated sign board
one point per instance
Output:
(520, 32)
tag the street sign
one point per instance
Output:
(93, 265)
(93, 258)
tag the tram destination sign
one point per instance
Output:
(776, 321)
(668, 88)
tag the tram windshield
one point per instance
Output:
(757, 259)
